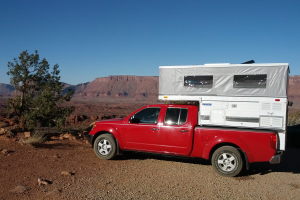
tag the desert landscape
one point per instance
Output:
(67, 65)
(65, 166)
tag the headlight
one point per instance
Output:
(91, 126)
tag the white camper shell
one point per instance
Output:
(232, 95)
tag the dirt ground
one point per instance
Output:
(134, 175)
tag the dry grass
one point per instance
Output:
(35, 139)
(294, 118)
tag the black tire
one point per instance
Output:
(227, 161)
(105, 147)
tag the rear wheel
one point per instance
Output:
(105, 146)
(227, 161)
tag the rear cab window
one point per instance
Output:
(176, 116)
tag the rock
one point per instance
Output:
(27, 134)
(5, 151)
(3, 124)
(54, 138)
(3, 131)
(56, 156)
(20, 189)
(43, 182)
(67, 136)
(67, 173)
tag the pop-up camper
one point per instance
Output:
(232, 95)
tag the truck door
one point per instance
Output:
(176, 133)
(141, 132)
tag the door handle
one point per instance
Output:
(155, 129)
(183, 131)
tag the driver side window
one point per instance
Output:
(146, 116)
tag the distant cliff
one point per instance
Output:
(119, 87)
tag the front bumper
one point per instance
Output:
(276, 159)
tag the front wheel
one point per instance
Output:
(105, 147)
(227, 161)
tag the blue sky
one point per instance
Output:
(90, 39)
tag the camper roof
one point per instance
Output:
(223, 79)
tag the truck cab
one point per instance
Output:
(154, 128)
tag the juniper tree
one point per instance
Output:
(39, 92)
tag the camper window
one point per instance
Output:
(198, 81)
(250, 81)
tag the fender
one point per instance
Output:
(221, 141)
(207, 139)
(105, 128)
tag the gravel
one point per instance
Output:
(137, 176)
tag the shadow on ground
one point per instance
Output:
(290, 160)
(53, 145)
(290, 163)
(144, 156)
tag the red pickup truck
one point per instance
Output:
(173, 129)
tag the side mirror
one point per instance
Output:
(134, 120)
(290, 103)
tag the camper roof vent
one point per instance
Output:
(249, 62)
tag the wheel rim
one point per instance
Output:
(104, 147)
(227, 162)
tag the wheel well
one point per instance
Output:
(99, 133)
(243, 154)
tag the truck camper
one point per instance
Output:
(232, 95)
